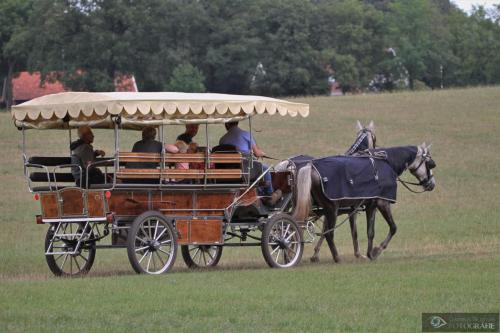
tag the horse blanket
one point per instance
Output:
(356, 177)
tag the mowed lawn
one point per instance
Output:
(444, 258)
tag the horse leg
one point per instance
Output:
(315, 257)
(354, 234)
(385, 209)
(370, 228)
(332, 211)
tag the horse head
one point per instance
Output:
(422, 167)
(365, 139)
(368, 132)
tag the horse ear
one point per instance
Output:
(429, 146)
(359, 127)
(371, 126)
(423, 145)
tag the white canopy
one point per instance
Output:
(137, 109)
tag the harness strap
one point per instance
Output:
(355, 211)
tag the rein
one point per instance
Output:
(406, 183)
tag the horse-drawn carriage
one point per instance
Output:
(151, 211)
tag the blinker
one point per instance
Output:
(430, 164)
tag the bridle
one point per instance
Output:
(367, 132)
(429, 165)
(360, 137)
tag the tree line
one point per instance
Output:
(269, 47)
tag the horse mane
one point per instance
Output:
(399, 157)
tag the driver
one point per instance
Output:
(83, 154)
(244, 143)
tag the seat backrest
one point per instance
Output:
(226, 166)
(49, 160)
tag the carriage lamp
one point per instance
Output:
(107, 194)
(36, 197)
(39, 219)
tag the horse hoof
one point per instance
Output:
(337, 260)
(375, 253)
(314, 259)
(361, 257)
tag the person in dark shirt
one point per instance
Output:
(189, 133)
(83, 154)
(148, 144)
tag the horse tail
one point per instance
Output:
(303, 201)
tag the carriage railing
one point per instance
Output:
(212, 169)
(51, 176)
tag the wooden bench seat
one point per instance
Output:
(180, 157)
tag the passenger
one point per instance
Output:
(148, 144)
(189, 133)
(179, 147)
(83, 154)
(244, 143)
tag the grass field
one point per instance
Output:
(444, 258)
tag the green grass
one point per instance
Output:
(445, 256)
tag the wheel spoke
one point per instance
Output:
(86, 260)
(143, 256)
(275, 249)
(167, 253)
(166, 242)
(140, 239)
(211, 256)
(288, 238)
(141, 248)
(196, 253)
(161, 261)
(286, 231)
(77, 265)
(64, 261)
(156, 229)
(161, 234)
(149, 260)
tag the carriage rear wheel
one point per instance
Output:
(282, 244)
(68, 259)
(152, 243)
(201, 256)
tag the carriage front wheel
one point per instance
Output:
(152, 243)
(66, 256)
(201, 256)
(282, 244)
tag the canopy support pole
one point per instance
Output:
(207, 156)
(251, 150)
(70, 140)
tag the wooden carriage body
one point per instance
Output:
(151, 201)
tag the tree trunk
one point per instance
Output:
(8, 86)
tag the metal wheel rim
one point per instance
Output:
(284, 243)
(153, 246)
(203, 255)
(70, 264)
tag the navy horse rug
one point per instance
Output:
(356, 177)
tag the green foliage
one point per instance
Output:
(186, 78)
(270, 47)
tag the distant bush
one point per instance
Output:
(419, 85)
(186, 78)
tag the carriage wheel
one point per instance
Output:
(282, 244)
(152, 244)
(67, 264)
(201, 256)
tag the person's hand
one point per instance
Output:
(100, 153)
